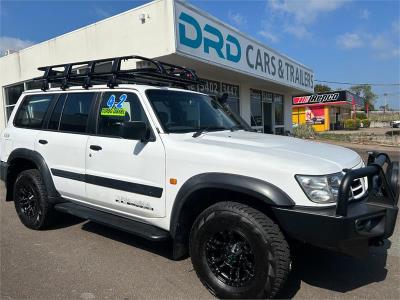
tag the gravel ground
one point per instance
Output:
(83, 260)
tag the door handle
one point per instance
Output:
(95, 147)
(43, 142)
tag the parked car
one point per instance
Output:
(164, 163)
(395, 124)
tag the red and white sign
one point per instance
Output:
(316, 99)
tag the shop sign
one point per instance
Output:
(315, 115)
(331, 98)
(231, 89)
(211, 87)
(203, 37)
(315, 99)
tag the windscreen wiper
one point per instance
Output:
(205, 129)
(236, 127)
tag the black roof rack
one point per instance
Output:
(156, 73)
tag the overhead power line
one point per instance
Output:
(350, 83)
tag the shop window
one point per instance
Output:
(32, 111)
(233, 96)
(76, 111)
(216, 88)
(234, 104)
(33, 85)
(12, 94)
(279, 130)
(256, 108)
(279, 113)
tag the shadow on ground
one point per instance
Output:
(64, 220)
(333, 271)
(163, 249)
(312, 265)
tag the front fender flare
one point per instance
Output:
(264, 191)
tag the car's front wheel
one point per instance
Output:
(30, 199)
(238, 252)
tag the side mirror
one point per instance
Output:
(135, 130)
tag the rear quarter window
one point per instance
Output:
(32, 111)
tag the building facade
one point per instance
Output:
(260, 81)
(325, 111)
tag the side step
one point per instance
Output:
(146, 231)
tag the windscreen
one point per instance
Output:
(181, 112)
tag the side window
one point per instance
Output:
(32, 111)
(54, 121)
(75, 113)
(116, 108)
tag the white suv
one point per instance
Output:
(170, 163)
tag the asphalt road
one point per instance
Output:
(83, 260)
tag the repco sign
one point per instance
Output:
(314, 99)
(200, 36)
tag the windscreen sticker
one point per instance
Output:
(114, 109)
(114, 112)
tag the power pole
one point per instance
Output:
(384, 108)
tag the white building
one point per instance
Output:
(259, 80)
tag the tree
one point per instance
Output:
(385, 108)
(322, 88)
(366, 92)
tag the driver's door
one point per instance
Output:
(124, 175)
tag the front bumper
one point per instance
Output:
(350, 227)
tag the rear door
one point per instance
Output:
(63, 143)
(124, 175)
(22, 129)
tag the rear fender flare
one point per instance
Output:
(41, 165)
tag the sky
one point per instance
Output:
(341, 40)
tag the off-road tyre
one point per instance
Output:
(30, 200)
(268, 261)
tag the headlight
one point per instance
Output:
(321, 189)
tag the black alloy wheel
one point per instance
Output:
(30, 200)
(230, 258)
(238, 252)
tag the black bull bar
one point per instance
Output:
(383, 185)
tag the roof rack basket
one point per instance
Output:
(87, 73)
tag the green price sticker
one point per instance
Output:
(113, 112)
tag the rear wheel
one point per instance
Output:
(238, 252)
(30, 199)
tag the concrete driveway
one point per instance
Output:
(83, 260)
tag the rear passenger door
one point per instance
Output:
(125, 175)
(28, 121)
(63, 142)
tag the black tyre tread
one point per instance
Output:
(48, 212)
(271, 233)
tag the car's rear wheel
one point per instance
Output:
(30, 199)
(238, 252)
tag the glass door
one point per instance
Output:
(268, 116)
(256, 110)
(267, 113)
(279, 125)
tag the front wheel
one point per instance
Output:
(238, 252)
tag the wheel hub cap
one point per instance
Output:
(230, 258)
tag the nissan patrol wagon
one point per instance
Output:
(136, 149)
